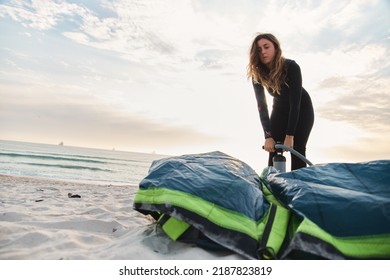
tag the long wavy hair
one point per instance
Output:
(272, 77)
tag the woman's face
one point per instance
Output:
(266, 51)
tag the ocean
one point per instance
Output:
(74, 163)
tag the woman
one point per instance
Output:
(292, 114)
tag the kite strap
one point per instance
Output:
(274, 232)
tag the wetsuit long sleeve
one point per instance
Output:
(263, 109)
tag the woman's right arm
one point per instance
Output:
(269, 144)
(263, 109)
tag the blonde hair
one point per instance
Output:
(271, 78)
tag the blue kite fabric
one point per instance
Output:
(330, 211)
(343, 209)
(218, 195)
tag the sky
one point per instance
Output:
(170, 76)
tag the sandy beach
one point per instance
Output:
(38, 221)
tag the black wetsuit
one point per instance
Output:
(292, 113)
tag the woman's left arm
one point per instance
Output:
(294, 79)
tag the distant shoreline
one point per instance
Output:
(154, 153)
(8, 178)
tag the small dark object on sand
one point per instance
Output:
(70, 195)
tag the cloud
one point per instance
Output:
(361, 90)
(318, 26)
(127, 36)
(63, 116)
(365, 104)
(333, 82)
(40, 14)
(369, 147)
(213, 58)
(153, 32)
(152, 66)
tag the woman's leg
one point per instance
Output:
(305, 124)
